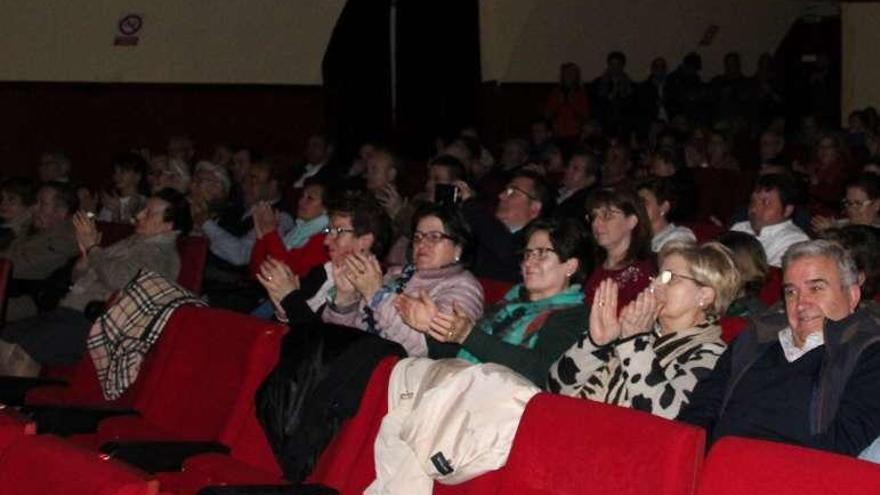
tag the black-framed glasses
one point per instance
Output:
(431, 237)
(336, 231)
(540, 254)
(510, 189)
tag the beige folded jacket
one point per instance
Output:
(448, 420)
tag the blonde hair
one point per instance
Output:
(711, 265)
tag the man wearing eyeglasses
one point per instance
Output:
(499, 238)
(809, 376)
(770, 209)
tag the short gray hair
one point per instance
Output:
(217, 171)
(849, 274)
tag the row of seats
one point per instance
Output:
(199, 381)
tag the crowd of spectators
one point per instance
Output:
(591, 220)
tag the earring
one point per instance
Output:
(701, 303)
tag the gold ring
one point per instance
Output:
(449, 334)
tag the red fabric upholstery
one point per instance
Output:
(573, 446)
(204, 383)
(772, 290)
(44, 464)
(13, 423)
(193, 256)
(732, 326)
(704, 230)
(494, 290)
(347, 463)
(739, 466)
(721, 191)
(5, 274)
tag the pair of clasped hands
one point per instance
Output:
(607, 326)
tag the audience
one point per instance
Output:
(650, 355)
(59, 336)
(579, 181)
(861, 205)
(537, 320)
(122, 203)
(770, 210)
(17, 196)
(751, 263)
(54, 167)
(808, 376)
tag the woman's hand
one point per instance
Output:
(639, 316)
(345, 292)
(416, 312)
(389, 199)
(453, 328)
(604, 324)
(364, 273)
(87, 235)
(278, 280)
(464, 190)
(265, 219)
(821, 223)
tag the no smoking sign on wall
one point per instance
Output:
(128, 30)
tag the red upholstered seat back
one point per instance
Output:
(732, 326)
(205, 380)
(739, 466)
(47, 465)
(347, 464)
(494, 290)
(573, 446)
(704, 230)
(772, 290)
(5, 273)
(193, 256)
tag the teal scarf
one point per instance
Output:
(516, 312)
(304, 230)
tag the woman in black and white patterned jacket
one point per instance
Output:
(651, 354)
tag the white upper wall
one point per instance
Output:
(527, 40)
(861, 74)
(218, 41)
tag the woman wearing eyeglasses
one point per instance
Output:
(861, 206)
(653, 353)
(622, 231)
(534, 323)
(365, 300)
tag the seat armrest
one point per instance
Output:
(71, 420)
(304, 489)
(14, 388)
(159, 456)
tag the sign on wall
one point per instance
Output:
(128, 29)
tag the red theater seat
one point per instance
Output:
(739, 466)
(494, 290)
(47, 465)
(731, 327)
(193, 256)
(704, 230)
(574, 446)
(772, 290)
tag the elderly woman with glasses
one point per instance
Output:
(650, 355)
(535, 322)
(365, 300)
(861, 206)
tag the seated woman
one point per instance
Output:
(623, 243)
(357, 225)
(659, 199)
(17, 195)
(861, 206)
(303, 247)
(534, 323)
(168, 172)
(364, 300)
(653, 354)
(751, 262)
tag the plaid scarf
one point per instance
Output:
(122, 336)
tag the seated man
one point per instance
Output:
(499, 239)
(59, 336)
(49, 246)
(770, 210)
(232, 237)
(810, 376)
